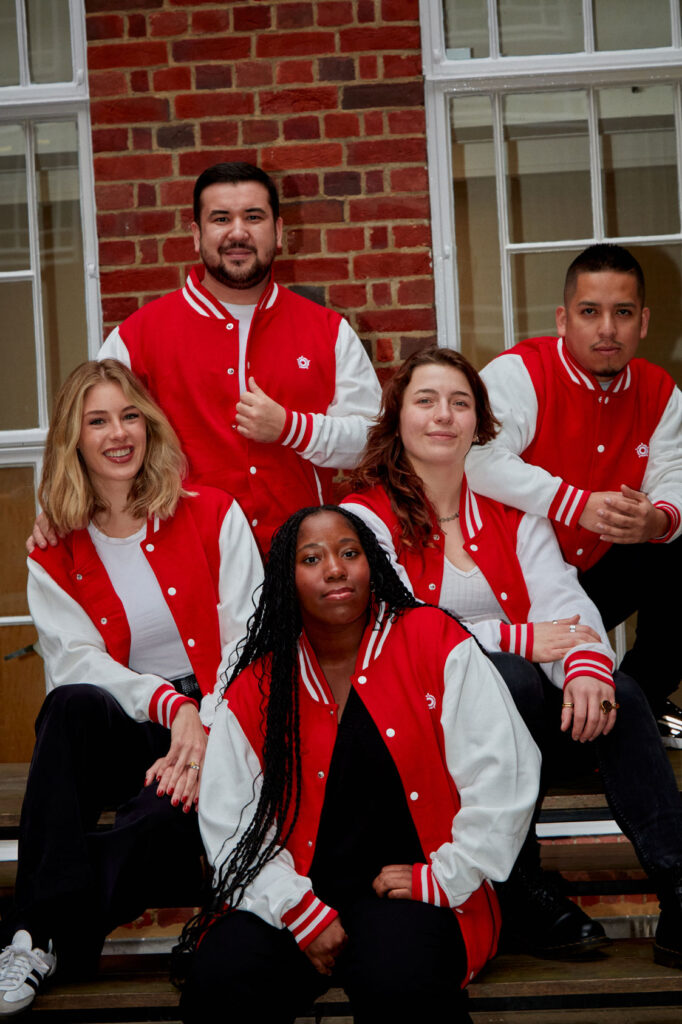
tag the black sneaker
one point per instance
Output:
(22, 971)
(670, 725)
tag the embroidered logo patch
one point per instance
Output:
(430, 701)
(642, 450)
(303, 362)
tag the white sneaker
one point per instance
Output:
(670, 725)
(22, 972)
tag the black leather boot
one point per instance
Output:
(539, 918)
(668, 941)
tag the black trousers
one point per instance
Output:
(643, 578)
(74, 885)
(403, 963)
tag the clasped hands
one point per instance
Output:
(623, 517)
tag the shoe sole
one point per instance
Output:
(573, 951)
(668, 957)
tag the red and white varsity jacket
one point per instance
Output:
(563, 437)
(471, 790)
(520, 558)
(207, 564)
(185, 348)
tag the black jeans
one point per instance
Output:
(632, 578)
(638, 780)
(403, 963)
(74, 885)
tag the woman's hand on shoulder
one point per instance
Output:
(553, 640)
(324, 949)
(179, 772)
(43, 534)
(585, 716)
(394, 881)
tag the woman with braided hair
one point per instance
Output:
(365, 776)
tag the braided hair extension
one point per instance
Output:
(272, 641)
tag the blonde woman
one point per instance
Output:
(138, 608)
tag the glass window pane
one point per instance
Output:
(466, 29)
(18, 398)
(642, 24)
(14, 250)
(637, 129)
(61, 249)
(476, 229)
(537, 290)
(17, 512)
(540, 26)
(9, 47)
(662, 266)
(22, 684)
(548, 166)
(49, 40)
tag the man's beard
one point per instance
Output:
(239, 278)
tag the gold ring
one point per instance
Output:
(606, 707)
(567, 705)
(194, 765)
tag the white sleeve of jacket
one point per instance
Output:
(663, 477)
(241, 574)
(230, 787)
(555, 593)
(496, 768)
(74, 651)
(383, 535)
(338, 436)
(496, 469)
(114, 348)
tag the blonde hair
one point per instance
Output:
(66, 492)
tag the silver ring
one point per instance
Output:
(571, 629)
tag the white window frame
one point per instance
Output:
(497, 76)
(27, 102)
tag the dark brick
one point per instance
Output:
(177, 136)
(382, 94)
(336, 69)
(213, 76)
(343, 183)
(316, 293)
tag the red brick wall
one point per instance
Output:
(327, 96)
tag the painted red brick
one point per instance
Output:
(394, 264)
(367, 66)
(342, 183)
(397, 66)
(336, 69)
(294, 15)
(291, 44)
(129, 110)
(137, 26)
(146, 194)
(114, 311)
(114, 197)
(374, 181)
(134, 167)
(177, 194)
(389, 320)
(139, 81)
(407, 122)
(137, 222)
(417, 292)
(179, 250)
(225, 104)
(104, 26)
(176, 136)
(299, 185)
(258, 131)
(319, 269)
(383, 94)
(378, 237)
(301, 128)
(366, 11)
(348, 296)
(220, 133)
(341, 126)
(400, 10)
(107, 83)
(140, 279)
(345, 239)
(127, 55)
(117, 253)
(323, 211)
(253, 73)
(213, 76)
(292, 101)
(374, 122)
(93, 6)
(323, 154)
(408, 236)
(142, 139)
(389, 208)
(303, 240)
(409, 345)
(192, 164)
(149, 250)
(383, 37)
(108, 140)
(384, 350)
(218, 48)
(334, 13)
(247, 19)
(168, 23)
(409, 179)
(172, 79)
(291, 72)
(387, 151)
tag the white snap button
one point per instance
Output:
(310, 842)
(252, 469)
(436, 536)
(362, 679)
(149, 547)
(579, 551)
(503, 596)
(432, 586)
(103, 621)
(414, 795)
(172, 591)
(606, 401)
(190, 642)
(473, 547)
(231, 370)
(390, 732)
(229, 326)
(254, 522)
(600, 447)
(79, 576)
(320, 775)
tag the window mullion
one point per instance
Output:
(677, 113)
(442, 213)
(596, 189)
(676, 34)
(493, 30)
(34, 250)
(503, 221)
(22, 43)
(588, 26)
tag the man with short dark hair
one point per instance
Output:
(269, 392)
(591, 437)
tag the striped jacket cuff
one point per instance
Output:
(308, 919)
(426, 888)
(517, 638)
(588, 663)
(165, 704)
(568, 504)
(673, 515)
(298, 430)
